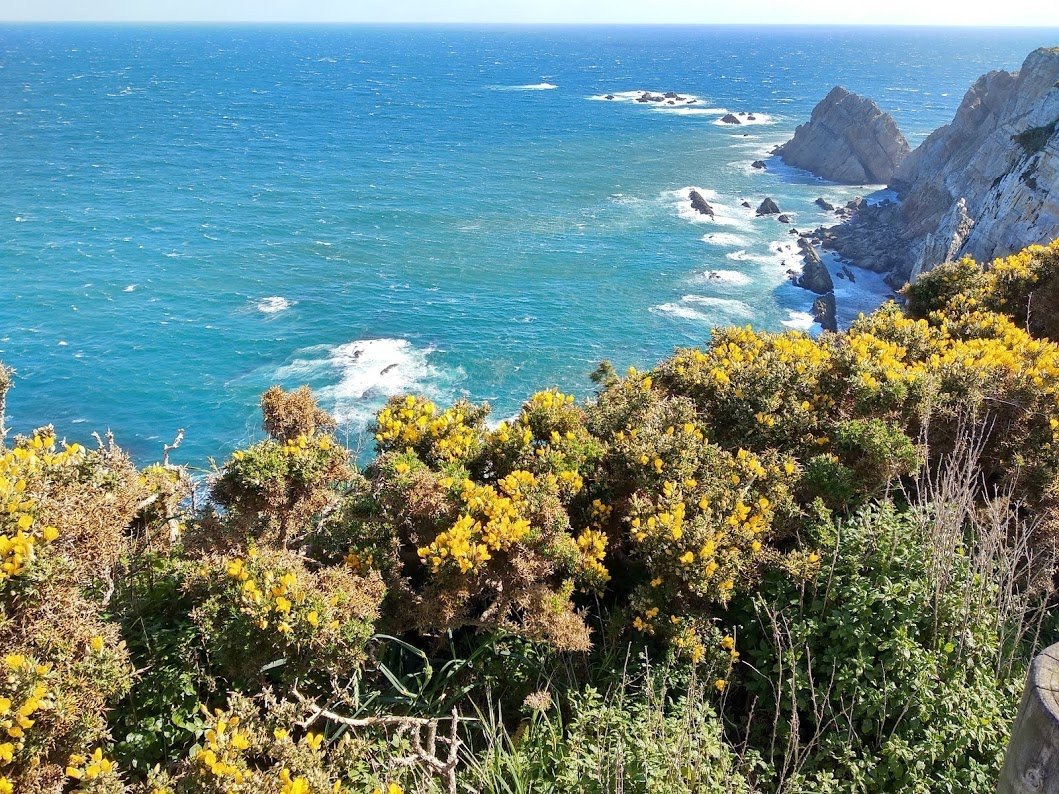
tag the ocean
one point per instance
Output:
(190, 214)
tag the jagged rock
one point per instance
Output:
(751, 117)
(985, 185)
(814, 276)
(673, 95)
(730, 118)
(609, 96)
(824, 204)
(847, 139)
(744, 204)
(699, 204)
(784, 218)
(647, 96)
(825, 312)
(760, 164)
(768, 207)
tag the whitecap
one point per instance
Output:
(799, 321)
(530, 87)
(727, 306)
(724, 239)
(681, 311)
(680, 110)
(706, 309)
(368, 372)
(732, 277)
(723, 214)
(273, 304)
(129, 288)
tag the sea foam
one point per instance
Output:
(361, 375)
(273, 304)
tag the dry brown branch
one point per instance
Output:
(422, 733)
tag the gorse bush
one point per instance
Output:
(773, 563)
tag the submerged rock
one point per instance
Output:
(760, 164)
(784, 218)
(847, 139)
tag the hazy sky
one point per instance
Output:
(1040, 13)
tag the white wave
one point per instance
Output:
(682, 311)
(727, 306)
(273, 305)
(724, 239)
(680, 110)
(710, 310)
(799, 321)
(733, 277)
(130, 288)
(368, 372)
(723, 214)
(531, 87)
(746, 121)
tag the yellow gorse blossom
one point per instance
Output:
(494, 521)
(22, 470)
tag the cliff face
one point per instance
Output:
(985, 185)
(847, 139)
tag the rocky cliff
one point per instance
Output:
(984, 185)
(847, 139)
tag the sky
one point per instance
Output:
(1029, 13)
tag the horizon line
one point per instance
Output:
(520, 24)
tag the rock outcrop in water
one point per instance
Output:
(814, 275)
(984, 185)
(847, 139)
(699, 204)
(768, 207)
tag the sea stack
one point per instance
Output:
(848, 139)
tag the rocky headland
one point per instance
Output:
(848, 139)
(984, 185)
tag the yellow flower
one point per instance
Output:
(97, 643)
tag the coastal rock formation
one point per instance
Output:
(824, 204)
(847, 139)
(759, 164)
(730, 118)
(984, 185)
(784, 218)
(814, 275)
(768, 207)
(699, 204)
(825, 312)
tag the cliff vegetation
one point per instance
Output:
(773, 563)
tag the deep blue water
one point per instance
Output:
(190, 214)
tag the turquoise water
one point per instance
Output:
(188, 215)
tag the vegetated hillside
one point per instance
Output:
(771, 564)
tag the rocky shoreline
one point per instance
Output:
(985, 185)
